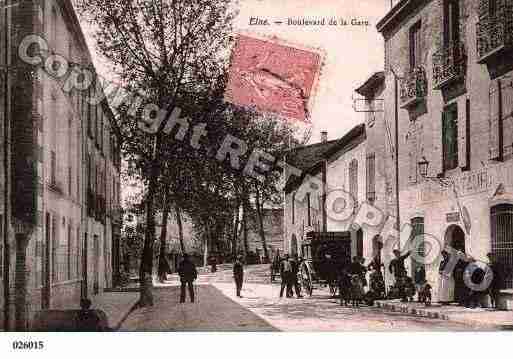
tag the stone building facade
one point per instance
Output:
(453, 63)
(62, 208)
(344, 164)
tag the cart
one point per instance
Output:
(324, 254)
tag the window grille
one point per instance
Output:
(502, 240)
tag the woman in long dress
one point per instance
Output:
(446, 284)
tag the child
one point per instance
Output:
(344, 287)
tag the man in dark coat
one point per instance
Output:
(294, 263)
(188, 274)
(498, 278)
(397, 268)
(286, 275)
(238, 275)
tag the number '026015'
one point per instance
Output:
(28, 345)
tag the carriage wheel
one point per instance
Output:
(306, 280)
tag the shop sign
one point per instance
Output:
(452, 217)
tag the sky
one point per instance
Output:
(351, 54)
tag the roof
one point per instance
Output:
(397, 14)
(368, 89)
(309, 159)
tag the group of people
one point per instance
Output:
(289, 269)
(454, 288)
(352, 281)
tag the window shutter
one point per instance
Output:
(507, 116)
(436, 161)
(462, 138)
(494, 141)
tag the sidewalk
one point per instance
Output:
(478, 317)
(117, 305)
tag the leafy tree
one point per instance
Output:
(172, 51)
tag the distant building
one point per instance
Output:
(60, 176)
(273, 231)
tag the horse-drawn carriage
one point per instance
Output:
(324, 255)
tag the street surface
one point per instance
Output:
(261, 309)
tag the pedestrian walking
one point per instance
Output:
(238, 275)
(497, 283)
(286, 274)
(397, 268)
(188, 274)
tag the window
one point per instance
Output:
(371, 178)
(53, 33)
(451, 22)
(89, 112)
(55, 246)
(450, 137)
(502, 241)
(309, 215)
(69, 179)
(53, 168)
(69, 249)
(415, 46)
(417, 224)
(77, 254)
(353, 181)
(293, 208)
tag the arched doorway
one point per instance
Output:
(293, 245)
(455, 238)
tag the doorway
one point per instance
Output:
(455, 238)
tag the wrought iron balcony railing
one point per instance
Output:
(449, 64)
(413, 87)
(495, 32)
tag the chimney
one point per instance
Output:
(324, 136)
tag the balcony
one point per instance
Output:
(449, 65)
(413, 87)
(495, 34)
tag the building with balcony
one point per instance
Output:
(455, 123)
(60, 177)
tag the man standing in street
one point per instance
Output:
(397, 268)
(295, 263)
(238, 274)
(286, 274)
(188, 274)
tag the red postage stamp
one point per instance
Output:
(272, 77)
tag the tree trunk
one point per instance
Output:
(235, 232)
(146, 268)
(162, 267)
(261, 224)
(245, 226)
(180, 227)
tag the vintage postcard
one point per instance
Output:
(255, 166)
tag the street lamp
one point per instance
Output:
(423, 167)
(423, 170)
